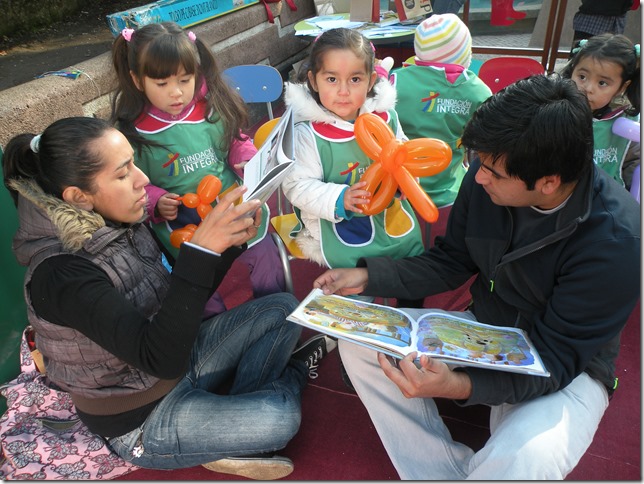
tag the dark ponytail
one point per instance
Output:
(62, 156)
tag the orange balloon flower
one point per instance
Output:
(396, 164)
(207, 191)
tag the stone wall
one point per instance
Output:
(240, 37)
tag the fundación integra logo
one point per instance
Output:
(178, 164)
(434, 103)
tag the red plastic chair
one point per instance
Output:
(499, 72)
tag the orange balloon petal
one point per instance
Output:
(383, 196)
(179, 236)
(203, 209)
(381, 185)
(190, 200)
(208, 189)
(373, 176)
(372, 133)
(421, 202)
(427, 156)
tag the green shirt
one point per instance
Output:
(189, 151)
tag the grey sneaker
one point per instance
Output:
(265, 468)
(313, 350)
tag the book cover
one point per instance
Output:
(436, 333)
(410, 9)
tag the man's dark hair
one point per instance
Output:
(541, 126)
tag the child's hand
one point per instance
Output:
(240, 165)
(168, 206)
(354, 196)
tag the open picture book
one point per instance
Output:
(264, 172)
(438, 334)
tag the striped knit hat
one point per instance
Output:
(443, 38)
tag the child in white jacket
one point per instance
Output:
(323, 186)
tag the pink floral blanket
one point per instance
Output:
(42, 437)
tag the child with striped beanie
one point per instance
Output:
(437, 95)
(445, 39)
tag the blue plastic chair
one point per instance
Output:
(256, 83)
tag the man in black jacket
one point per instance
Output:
(554, 247)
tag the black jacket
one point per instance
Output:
(572, 289)
(609, 8)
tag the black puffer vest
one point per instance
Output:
(130, 257)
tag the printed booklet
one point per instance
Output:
(264, 172)
(454, 340)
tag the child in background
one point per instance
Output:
(606, 68)
(438, 94)
(596, 17)
(323, 186)
(184, 122)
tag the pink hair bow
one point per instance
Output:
(127, 34)
(192, 36)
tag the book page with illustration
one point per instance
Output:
(436, 333)
(265, 171)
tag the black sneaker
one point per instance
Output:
(262, 468)
(313, 350)
(345, 377)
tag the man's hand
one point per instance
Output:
(343, 281)
(433, 379)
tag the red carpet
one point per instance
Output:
(337, 441)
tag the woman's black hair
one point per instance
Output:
(61, 157)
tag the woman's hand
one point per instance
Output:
(227, 224)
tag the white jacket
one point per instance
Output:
(305, 186)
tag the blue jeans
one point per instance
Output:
(250, 348)
(266, 274)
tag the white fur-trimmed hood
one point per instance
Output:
(305, 108)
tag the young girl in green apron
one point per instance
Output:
(607, 68)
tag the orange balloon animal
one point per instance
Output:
(396, 163)
(207, 191)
